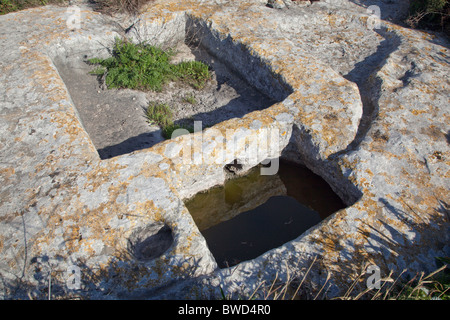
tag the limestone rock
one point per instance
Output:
(362, 103)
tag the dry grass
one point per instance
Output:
(7, 6)
(105, 6)
(120, 6)
(433, 286)
(430, 14)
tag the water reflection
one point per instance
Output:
(252, 214)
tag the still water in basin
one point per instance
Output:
(252, 214)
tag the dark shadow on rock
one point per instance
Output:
(124, 278)
(234, 109)
(142, 141)
(237, 58)
(150, 242)
(370, 92)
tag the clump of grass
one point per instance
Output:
(135, 66)
(7, 6)
(161, 115)
(168, 131)
(195, 73)
(189, 98)
(145, 67)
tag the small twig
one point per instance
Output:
(347, 294)
(50, 285)
(288, 281)
(262, 282)
(304, 277)
(270, 289)
(326, 281)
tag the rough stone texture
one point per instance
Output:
(367, 109)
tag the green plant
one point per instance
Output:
(161, 115)
(195, 73)
(189, 98)
(168, 131)
(145, 67)
(135, 66)
(7, 6)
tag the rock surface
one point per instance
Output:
(364, 103)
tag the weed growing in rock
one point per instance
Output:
(7, 6)
(195, 73)
(167, 131)
(145, 67)
(161, 115)
(189, 98)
